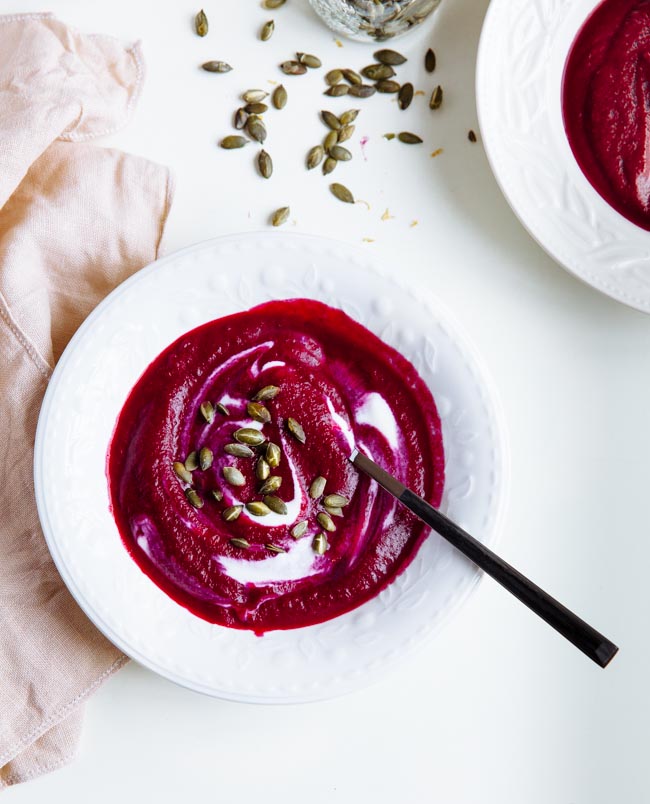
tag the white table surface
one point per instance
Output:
(498, 709)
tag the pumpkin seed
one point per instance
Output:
(348, 117)
(207, 411)
(273, 548)
(262, 469)
(254, 95)
(281, 216)
(217, 494)
(389, 136)
(233, 476)
(244, 544)
(205, 458)
(345, 132)
(352, 77)
(230, 515)
(361, 91)
(315, 156)
(201, 23)
(258, 412)
(310, 61)
(325, 521)
(317, 487)
(265, 164)
(249, 435)
(330, 120)
(222, 409)
(328, 165)
(405, 96)
(377, 72)
(182, 472)
(267, 31)
(334, 77)
(430, 61)
(342, 193)
(255, 128)
(387, 87)
(334, 511)
(273, 454)
(271, 4)
(279, 97)
(340, 154)
(330, 140)
(241, 117)
(268, 392)
(335, 501)
(408, 138)
(276, 505)
(319, 545)
(295, 428)
(256, 108)
(257, 508)
(300, 529)
(239, 450)
(216, 67)
(271, 485)
(192, 461)
(233, 141)
(293, 67)
(436, 98)
(471, 135)
(337, 90)
(193, 498)
(391, 57)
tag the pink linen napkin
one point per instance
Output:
(75, 220)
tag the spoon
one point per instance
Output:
(583, 636)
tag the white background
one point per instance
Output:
(498, 709)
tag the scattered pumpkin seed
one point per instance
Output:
(310, 61)
(341, 192)
(387, 87)
(271, 485)
(250, 436)
(234, 141)
(317, 487)
(279, 97)
(258, 508)
(273, 454)
(256, 108)
(334, 511)
(330, 120)
(377, 72)
(337, 90)
(267, 31)
(233, 476)
(389, 136)
(273, 548)
(315, 156)
(239, 450)
(352, 77)
(348, 117)
(265, 164)
(276, 505)
(328, 165)
(471, 135)
(222, 409)
(391, 57)
(334, 77)
(330, 140)
(271, 4)
(345, 132)
(280, 216)
(216, 67)
(335, 501)
(192, 461)
(361, 90)
(293, 67)
(262, 469)
(207, 411)
(430, 61)
(255, 128)
(236, 541)
(205, 458)
(217, 494)
(436, 98)
(325, 521)
(182, 472)
(254, 95)
(201, 23)
(241, 117)
(193, 498)
(267, 392)
(340, 154)
(295, 428)
(405, 96)
(319, 545)
(230, 515)
(408, 138)
(299, 529)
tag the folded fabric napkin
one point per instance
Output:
(75, 221)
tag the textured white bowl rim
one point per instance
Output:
(442, 315)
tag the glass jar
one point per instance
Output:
(373, 20)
